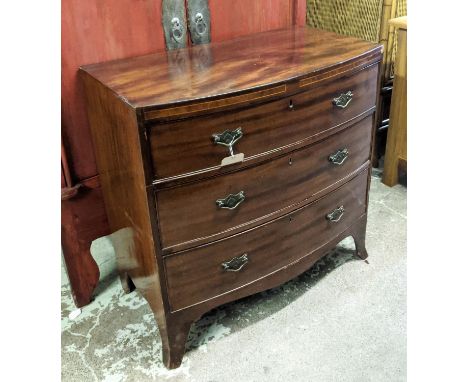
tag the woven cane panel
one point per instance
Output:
(358, 18)
(401, 8)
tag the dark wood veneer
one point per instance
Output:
(189, 216)
(160, 192)
(236, 66)
(274, 126)
(196, 275)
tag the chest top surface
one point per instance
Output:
(227, 68)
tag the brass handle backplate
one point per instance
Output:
(339, 157)
(235, 264)
(198, 16)
(174, 22)
(231, 201)
(200, 25)
(343, 100)
(336, 214)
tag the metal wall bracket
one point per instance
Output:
(199, 20)
(174, 24)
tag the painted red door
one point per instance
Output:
(101, 30)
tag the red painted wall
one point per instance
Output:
(94, 31)
(232, 18)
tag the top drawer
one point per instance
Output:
(186, 146)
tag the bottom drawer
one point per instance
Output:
(207, 271)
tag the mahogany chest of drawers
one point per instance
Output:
(230, 168)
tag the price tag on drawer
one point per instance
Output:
(237, 158)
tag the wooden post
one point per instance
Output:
(395, 153)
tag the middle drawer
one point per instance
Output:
(196, 213)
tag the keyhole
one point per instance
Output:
(290, 219)
(290, 161)
(291, 105)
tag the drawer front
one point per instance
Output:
(190, 214)
(198, 275)
(186, 146)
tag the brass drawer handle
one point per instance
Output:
(228, 138)
(235, 264)
(231, 201)
(343, 100)
(336, 214)
(339, 157)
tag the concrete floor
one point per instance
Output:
(343, 320)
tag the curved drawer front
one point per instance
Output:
(186, 146)
(196, 213)
(208, 271)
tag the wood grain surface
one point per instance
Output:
(128, 204)
(197, 275)
(268, 129)
(228, 67)
(188, 215)
(171, 238)
(396, 151)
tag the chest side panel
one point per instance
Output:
(117, 145)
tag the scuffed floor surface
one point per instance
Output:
(343, 320)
